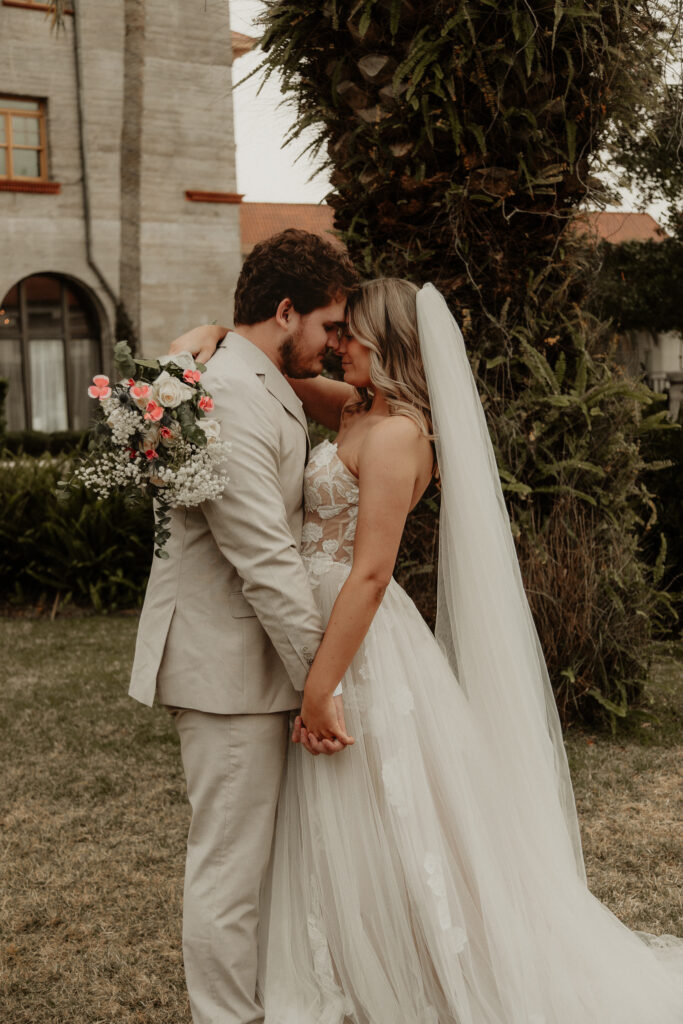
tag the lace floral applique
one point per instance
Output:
(331, 504)
(311, 533)
(436, 882)
(391, 777)
(336, 1005)
(402, 699)
(319, 563)
(322, 961)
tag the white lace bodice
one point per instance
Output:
(331, 510)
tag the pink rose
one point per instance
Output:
(192, 376)
(206, 403)
(151, 454)
(141, 394)
(99, 387)
(154, 412)
(166, 432)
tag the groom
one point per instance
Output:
(229, 625)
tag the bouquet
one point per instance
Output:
(153, 437)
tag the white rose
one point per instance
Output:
(183, 359)
(212, 429)
(169, 391)
(151, 436)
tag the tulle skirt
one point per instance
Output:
(402, 889)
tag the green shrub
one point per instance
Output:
(37, 442)
(94, 553)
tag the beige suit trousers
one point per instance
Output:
(233, 767)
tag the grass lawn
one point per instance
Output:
(93, 821)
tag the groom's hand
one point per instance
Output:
(320, 714)
(312, 744)
(331, 744)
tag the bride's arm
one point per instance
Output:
(389, 465)
(201, 341)
(323, 399)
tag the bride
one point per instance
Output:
(432, 873)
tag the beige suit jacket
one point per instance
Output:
(229, 623)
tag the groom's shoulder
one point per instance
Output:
(226, 372)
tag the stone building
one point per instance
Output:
(117, 190)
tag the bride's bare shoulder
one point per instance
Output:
(393, 437)
(397, 445)
(394, 430)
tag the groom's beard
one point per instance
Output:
(294, 363)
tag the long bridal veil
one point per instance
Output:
(484, 623)
(485, 627)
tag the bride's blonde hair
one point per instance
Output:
(383, 317)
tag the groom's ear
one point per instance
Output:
(283, 314)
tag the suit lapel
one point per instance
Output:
(274, 381)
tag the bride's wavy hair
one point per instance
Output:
(382, 316)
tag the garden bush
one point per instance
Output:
(37, 442)
(72, 547)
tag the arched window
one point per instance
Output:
(50, 348)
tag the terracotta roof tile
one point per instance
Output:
(621, 226)
(241, 44)
(261, 220)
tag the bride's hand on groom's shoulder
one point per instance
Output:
(320, 727)
(201, 342)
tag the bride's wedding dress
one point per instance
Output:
(405, 886)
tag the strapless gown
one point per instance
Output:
(401, 889)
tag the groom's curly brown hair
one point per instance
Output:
(295, 265)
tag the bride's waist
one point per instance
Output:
(319, 563)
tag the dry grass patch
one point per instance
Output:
(93, 821)
(629, 791)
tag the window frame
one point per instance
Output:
(8, 112)
(84, 301)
